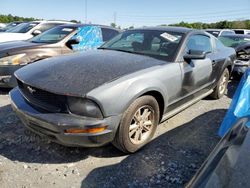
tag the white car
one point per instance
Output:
(242, 31)
(2, 25)
(25, 31)
(220, 32)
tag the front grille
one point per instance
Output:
(42, 99)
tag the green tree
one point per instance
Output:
(113, 25)
(9, 18)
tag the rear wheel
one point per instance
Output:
(138, 124)
(221, 87)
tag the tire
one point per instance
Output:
(221, 86)
(133, 134)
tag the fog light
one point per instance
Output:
(90, 130)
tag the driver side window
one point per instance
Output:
(199, 43)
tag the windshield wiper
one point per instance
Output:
(121, 50)
(102, 48)
(33, 41)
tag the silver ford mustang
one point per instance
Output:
(121, 92)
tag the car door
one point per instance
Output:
(218, 57)
(196, 73)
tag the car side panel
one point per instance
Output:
(41, 53)
(196, 75)
(165, 79)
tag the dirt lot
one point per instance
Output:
(170, 160)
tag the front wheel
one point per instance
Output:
(221, 86)
(138, 124)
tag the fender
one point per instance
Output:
(140, 87)
(38, 58)
(133, 88)
(228, 63)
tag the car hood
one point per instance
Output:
(78, 74)
(6, 37)
(243, 47)
(9, 47)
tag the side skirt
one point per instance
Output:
(184, 106)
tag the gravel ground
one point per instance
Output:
(180, 146)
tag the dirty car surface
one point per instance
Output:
(121, 92)
(57, 41)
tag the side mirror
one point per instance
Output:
(194, 54)
(36, 32)
(74, 41)
(71, 42)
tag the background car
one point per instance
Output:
(57, 41)
(241, 44)
(122, 91)
(242, 31)
(220, 32)
(2, 25)
(10, 26)
(25, 31)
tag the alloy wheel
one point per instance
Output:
(141, 125)
(223, 84)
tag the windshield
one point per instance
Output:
(53, 35)
(23, 28)
(234, 41)
(9, 26)
(154, 43)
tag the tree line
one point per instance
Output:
(10, 18)
(244, 24)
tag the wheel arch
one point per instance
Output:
(230, 68)
(159, 98)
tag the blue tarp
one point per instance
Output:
(240, 105)
(90, 38)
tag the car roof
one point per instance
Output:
(82, 25)
(167, 28)
(241, 29)
(237, 35)
(17, 22)
(213, 29)
(51, 21)
(218, 29)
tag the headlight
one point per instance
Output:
(84, 107)
(242, 63)
(13, 60)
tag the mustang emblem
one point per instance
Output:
(31, 90)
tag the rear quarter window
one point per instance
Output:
(218, 45)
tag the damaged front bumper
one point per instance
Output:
(7, 78)
(240, 67)
(54, 125)
(240, 70)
